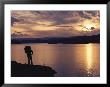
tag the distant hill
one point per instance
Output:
(55, 40)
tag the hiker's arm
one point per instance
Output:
(32, 51)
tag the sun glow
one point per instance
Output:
(88, 26)
(42, 28)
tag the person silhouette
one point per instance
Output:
(29, 53)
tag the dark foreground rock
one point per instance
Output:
(25, 70)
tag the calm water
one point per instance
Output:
(67, 59)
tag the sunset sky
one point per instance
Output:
(39, 24)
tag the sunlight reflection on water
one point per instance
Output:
(67, 59)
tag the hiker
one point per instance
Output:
(29, 53)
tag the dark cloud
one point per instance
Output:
(88, 14)
(93, 13)
(62, 17)
(19, 34)
(84, 15)
(13, 20)
(57, 17)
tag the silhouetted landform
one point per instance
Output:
(25, 70)
(55, 40)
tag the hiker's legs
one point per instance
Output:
(28, 56)
(28, 61)
(31, 60)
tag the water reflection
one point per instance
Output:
(67, 59)
(89, 59)
(89, 55)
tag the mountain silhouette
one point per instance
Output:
(55, 40)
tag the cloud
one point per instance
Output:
(52, 23)
(13, 20)
(56, 17)
(88, 14)
(19, 35)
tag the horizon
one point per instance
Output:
(55, 37)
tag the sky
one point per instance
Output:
(40, 24)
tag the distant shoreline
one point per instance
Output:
(59, 40)
(55, 43)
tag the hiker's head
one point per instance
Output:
(27, 47)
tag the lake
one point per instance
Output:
(68, 60)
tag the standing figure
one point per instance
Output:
(29, 53)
